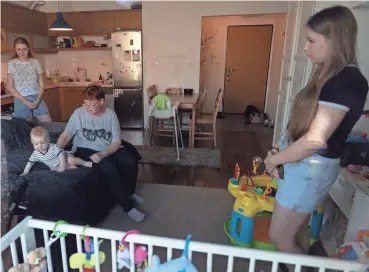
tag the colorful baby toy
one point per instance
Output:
(123, 254)
(249, 223)
(87, 260)
(355, 250)
(182, 264)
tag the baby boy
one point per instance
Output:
(50, 154)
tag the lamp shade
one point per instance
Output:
(60, 24)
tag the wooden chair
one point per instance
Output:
(151, 92)
(188, 112)
(203, 120)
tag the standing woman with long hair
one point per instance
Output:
(322, 117)
(25, 81)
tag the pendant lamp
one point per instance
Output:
(60, 24)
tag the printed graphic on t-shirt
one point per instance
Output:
(91, 135)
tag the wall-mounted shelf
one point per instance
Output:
(84, 49)
(36, 51)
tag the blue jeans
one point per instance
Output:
(306, 183)
(23, 112)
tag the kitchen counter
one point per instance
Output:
(66, 85)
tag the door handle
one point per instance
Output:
(231, 70)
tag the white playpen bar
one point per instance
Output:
(210, 249)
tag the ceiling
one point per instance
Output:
(363, 5)
(52, 6)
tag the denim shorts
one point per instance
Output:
(306, 183)
(22, 111)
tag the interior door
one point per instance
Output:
(247, 65)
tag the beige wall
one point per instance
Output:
(171, 38)
(212, 70)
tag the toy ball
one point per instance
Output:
(257, 161)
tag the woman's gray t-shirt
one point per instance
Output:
(93, 132)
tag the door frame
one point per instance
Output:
(273, 25)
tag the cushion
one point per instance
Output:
(16, 134)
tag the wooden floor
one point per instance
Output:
(237, 143)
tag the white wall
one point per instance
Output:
(171, 38)
(212, 70)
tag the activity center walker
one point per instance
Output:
(248, 225)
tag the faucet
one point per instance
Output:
(81, 74)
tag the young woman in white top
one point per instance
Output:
(25, 82)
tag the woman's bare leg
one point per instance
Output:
(303, 236)
(73, 161)
(284, 226)
(44, 118)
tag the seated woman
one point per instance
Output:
(96, 133)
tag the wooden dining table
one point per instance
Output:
(187, 102)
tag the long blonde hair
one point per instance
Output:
(21, 40)
(339, 25)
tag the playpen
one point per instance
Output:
(24, 232)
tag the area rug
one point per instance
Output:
(174, 212)
(196, 157)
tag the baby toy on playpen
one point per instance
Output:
(249, 223)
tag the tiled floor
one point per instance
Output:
(237, 143)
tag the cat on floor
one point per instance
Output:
(253, 115)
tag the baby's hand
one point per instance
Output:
(60, 169)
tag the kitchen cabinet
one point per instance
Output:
(71, 98)
(40, 43)
(11, 36)
(84, 22)
(52, 100)
(3, 41)
(22, 19)
(128, 19)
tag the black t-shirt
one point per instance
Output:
(348, 90)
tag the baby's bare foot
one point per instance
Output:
(73, 166)
(88, 164)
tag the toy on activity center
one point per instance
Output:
(87, 260)
(248, 226)
(355, 250)
(182, 264)
(123, 254)
(36, 262)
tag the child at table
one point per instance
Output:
(50, 154)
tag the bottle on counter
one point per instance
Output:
(56, 76)
(101, 78)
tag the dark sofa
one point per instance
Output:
(79, 196)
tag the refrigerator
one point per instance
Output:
(127, 73)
